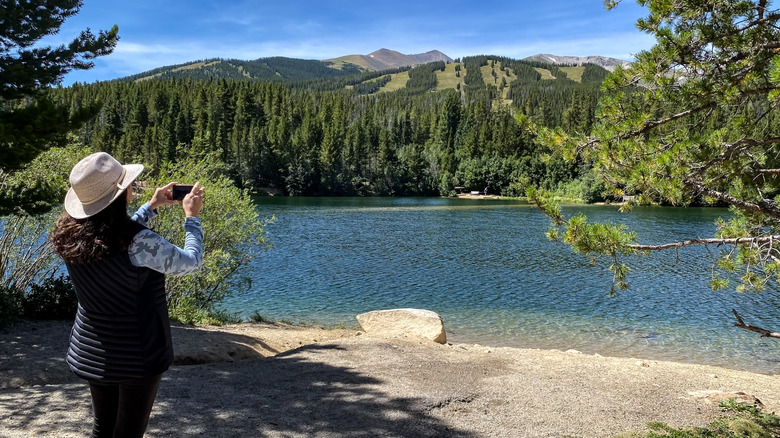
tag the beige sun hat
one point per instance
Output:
(96, 181)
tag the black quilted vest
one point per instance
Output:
(122, 331)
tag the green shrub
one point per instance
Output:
(55, 298)
(226, 317)
(516, 188)
(10, 305)
(234, 234)
(25, 255)
(187, 311)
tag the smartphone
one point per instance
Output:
(180, 191)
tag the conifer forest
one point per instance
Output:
(344, 135)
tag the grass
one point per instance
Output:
(196, 65)
(397, 81)
(338, 63)
(487, 76)
(573, 73)
(446, 79)
(225, 317)
(545, 73)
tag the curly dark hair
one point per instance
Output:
(94, 238)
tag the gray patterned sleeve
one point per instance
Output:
(144, 214)
(149, 249)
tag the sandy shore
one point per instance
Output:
(252, 380)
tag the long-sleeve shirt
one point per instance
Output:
(149, 249)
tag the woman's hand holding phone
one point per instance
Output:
(191, 197)
(193, 201)
(179, 191)
(162, 196)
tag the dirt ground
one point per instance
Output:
(269, 380)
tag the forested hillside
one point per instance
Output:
(265, 69)
(349, 135)
(279, 68)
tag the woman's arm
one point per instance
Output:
(161, 196)
(144, 214)
(148, 249)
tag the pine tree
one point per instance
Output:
(712, 58)
(30, 122)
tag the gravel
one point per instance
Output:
(273, 380)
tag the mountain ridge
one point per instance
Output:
(602, 61)
(282, 68)
(386, 59)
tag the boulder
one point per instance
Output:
(404, 322)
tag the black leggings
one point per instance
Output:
(123, 410)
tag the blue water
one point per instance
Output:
(487, 268)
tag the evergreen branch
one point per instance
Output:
(745, 205)
(761, 91)
(591, 143)
(771, 18)
(732, 148)
(770, 171)
(653, 124)
(763, 332)
(752, 142)
(712, 241)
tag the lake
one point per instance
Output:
(487, 268)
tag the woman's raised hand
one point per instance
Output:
(163, 196)
(193, 201)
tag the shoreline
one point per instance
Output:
(200, 344)
(190, 343)
(656, 353)
(613, 352)
(563, 201)
(259, 379)
(606, 352)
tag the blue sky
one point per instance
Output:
(155, 34)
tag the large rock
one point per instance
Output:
(404, 322)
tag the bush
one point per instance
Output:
(55, 298)
(233, 235)
(226, 317)
(25, 255)
(10, 305)
(516, 189)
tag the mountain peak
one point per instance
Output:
(385, 59)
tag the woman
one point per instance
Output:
(121, 339)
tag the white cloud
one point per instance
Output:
(123, 48)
